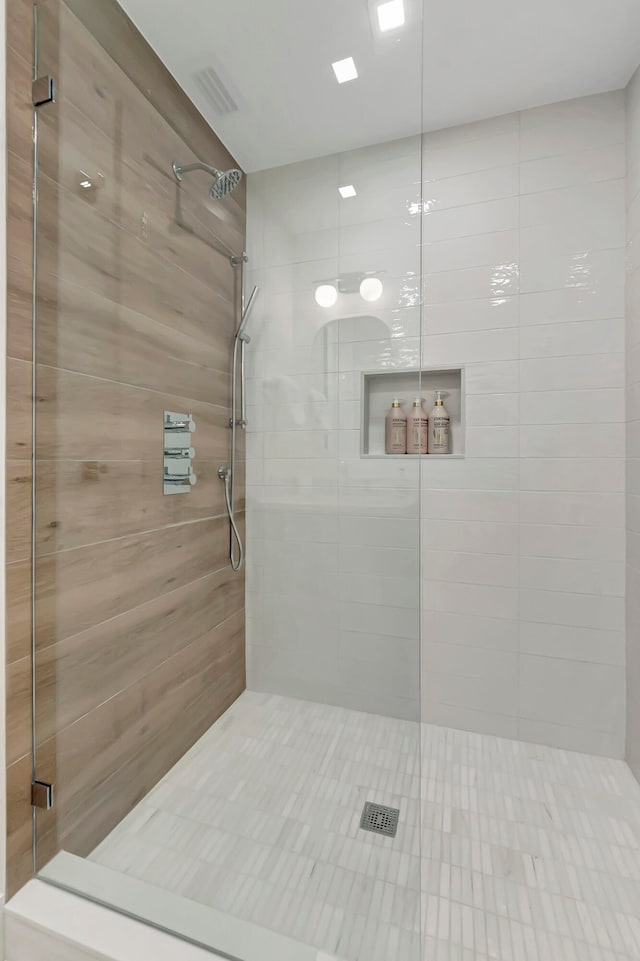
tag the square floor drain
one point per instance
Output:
(380, 819)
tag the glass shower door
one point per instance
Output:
(138, 618)
(281, 801)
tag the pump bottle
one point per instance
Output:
(417, 429)
(439, 427)
(395, 433)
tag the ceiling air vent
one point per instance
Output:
(217, 94)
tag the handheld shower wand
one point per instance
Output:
(227, 474)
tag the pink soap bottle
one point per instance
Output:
(395, 432)
(417, 429)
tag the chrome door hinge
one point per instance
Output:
(42, 795)
(43, 90)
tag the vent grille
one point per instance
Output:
(380, 819)
(215, 91)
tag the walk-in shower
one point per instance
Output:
(340, 702)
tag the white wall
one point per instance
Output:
(333, 540)
(522, 542)
(633, 424)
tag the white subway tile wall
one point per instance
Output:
(633, 425)
(511, 264)
(523, 545)
(333, 582)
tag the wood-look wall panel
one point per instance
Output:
(81, 246)
(19, 210)
(77, 589)
(121, 345)
(19, 393)
(19, 107)
(83, 417)
(77, 675)
(19, 308)
(135, 137)
(18, 693)
(123, 43)
(108, 760)
(18, 610)
(113, 141)
(19, 824)
(145, 201)
(18, 511)
(107, 260)
(85, 502)
(136, 308)
(19, 130)
(19, 30)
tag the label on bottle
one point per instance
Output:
(419, 435)
(440, 431)
(397, 436)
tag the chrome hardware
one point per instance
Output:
(178, 476)
(224, 182)
(226, 474)
(42, 795)
(240, 341)
(181, 478)
(180, 452)
(178, 422)
(43, 90)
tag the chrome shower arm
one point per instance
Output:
(180, 170)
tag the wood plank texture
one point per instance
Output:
(139, 620)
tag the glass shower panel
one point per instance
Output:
(378, 325)
(333, 589)
(279, 805)
(139, 621)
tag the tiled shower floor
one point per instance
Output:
(528, 853)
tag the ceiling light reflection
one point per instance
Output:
(326, 295)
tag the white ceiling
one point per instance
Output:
(481, 58)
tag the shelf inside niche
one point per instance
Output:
(379, 389)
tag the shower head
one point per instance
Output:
(225, 181)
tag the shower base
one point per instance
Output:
(524, 853)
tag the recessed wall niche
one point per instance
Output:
(378, 390)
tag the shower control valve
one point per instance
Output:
(178, 475)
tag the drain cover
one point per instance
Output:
(380, 819)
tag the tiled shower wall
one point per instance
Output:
(521, 250)
(333, 540)
(523, 542)
(633, 424)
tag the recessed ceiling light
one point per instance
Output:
(345, 70)
(391, 15)
(346, 192)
